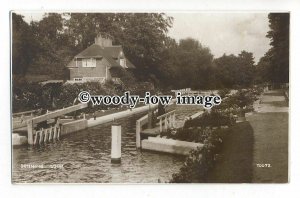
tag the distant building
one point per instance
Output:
(98, 61)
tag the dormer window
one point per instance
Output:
(89, 62)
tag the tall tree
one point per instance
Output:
(235, 71)
(23, 45)
(186, 65)
(55, 48)
(279, 35)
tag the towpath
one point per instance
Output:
(270, 131)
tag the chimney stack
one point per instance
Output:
(103, 42)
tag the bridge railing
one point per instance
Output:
(54, 114)
(46, 135)
(167, 120)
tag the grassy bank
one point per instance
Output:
(270, 147)
(234, 164)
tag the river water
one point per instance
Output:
(84, 157)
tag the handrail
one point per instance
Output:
(25, 112)
(57, 113)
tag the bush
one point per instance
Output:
(200, 161)
(224, 92)
(27, 96)
(215, 118)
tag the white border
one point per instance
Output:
(199, 190)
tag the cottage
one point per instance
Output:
(98, 62)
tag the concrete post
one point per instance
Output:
(138, 134)
(116, 143)
(30, 132)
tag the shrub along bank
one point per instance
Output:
(30, 96)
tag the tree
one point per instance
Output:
(186, 64)
(235, 71)
(279, 55)
(263, 68)
(54, 47)
(226, 70)
(245, 69)
(23, 45)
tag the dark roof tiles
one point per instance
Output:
(109, 53)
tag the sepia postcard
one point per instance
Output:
(132, 97)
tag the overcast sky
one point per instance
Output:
(224, 32)
(228, 33)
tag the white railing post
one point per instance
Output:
(160, 124)
(46, 135)
(170, 121)
(35, 138)
(173, 119)
(166, 123)
(138, 134)
(54, 133)
(50, 134)
(41, 136)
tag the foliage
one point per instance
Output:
(235, 71)
(185, 64)
(274, 65)
(223, 92)
(193, 133)
(279, 24)
(23, 45)
(200, 161)
(27, 97)
(215, 118)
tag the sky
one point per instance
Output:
(228, 33)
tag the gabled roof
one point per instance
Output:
(114, 51)
(110, 53)
(93, 51)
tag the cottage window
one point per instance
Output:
(89, 62)
(123, 62)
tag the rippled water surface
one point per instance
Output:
(85, 157)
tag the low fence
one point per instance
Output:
(167, 119)
(46, 135)
(53, 133)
